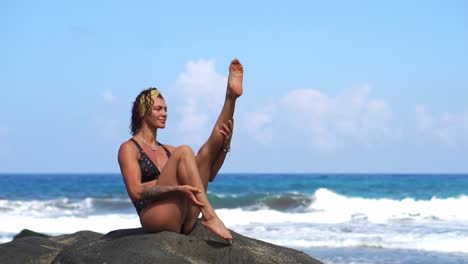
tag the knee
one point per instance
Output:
(184, 151)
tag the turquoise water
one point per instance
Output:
(338, 218)
(392, 186)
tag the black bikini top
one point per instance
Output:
(149, 170)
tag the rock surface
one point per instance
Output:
(136, 246)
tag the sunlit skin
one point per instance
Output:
(158, 115)
(184, 176)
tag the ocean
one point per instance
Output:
(336, 218)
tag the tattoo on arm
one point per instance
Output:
(153, 192)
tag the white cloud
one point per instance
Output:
(192, 118)
(200, 90)
(108, 97)
(449, 128)
(332, 120)
(258, 124)
(201, 83)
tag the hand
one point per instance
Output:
(227, 130)
(190, 192)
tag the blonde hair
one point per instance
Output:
(143, 102)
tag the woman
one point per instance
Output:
(168, 184)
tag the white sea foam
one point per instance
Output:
(336, 208)
(61, 216)
(13, 224)
(39, 208)
(301, 231)
(326, 207)
(58, 207)
(332, 220)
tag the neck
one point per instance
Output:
(148, 135)
(149, 139)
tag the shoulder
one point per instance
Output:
(127, 148)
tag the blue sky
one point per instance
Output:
(330, 86)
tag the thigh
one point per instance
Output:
(168, 175)
(168, 212)
(165, 214)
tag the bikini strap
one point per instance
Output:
(168, 153)
(138, 145)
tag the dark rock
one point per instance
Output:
(39, 248)
(33, 249)
(27, 233)
(136, 246)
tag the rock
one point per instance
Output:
(136, 246)
(32, 247)
(27, 232)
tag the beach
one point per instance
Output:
(336, 218)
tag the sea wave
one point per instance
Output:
(256, 201)
(302, 230)
(297, 230)
(326, 206)
(64, 207)
(329, 206)
(321, 219)
(333, 207)
(13, 224)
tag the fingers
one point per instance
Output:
(230, 124)
(193, 189)
(195, 200)
(226, 129)
(223, 133)
(190, 192)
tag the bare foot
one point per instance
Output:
(217, 227)
(236, 74)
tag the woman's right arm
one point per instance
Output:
(130, 169)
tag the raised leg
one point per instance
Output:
(208, 153)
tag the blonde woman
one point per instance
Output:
(168, 184)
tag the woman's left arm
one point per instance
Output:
(226, 130)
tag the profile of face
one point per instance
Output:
(156, 116)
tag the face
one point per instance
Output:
(157, 115)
